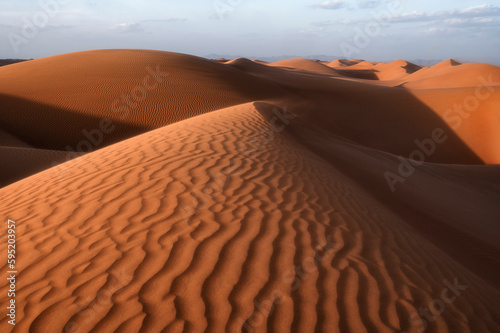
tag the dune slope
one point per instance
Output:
(191, 236)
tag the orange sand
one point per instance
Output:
(255, 198)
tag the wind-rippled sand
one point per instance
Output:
(255, 198)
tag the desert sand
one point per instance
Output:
(244, 196)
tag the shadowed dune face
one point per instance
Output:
(18, 163)
(8, 140)
(470, 112)
(427, 201)
(257, 200)
(46, 126)
(403, 115)
(365, 74)
(408, 123)
(335, 105)
(6, 62)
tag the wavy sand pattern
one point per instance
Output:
(261, 216)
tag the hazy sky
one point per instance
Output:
(369, 29)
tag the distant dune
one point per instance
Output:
(305, 64)
(344, 63)
(466, 75)
(242, 196)
(395, 70)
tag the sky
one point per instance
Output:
(363, 29)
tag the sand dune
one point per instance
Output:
(446, 64)
(339, 109)
(474, 119)
(395, 70)
(233, 249)
(466, 75)
(137, 90)
(242, 196)
(222, 60)
(344, 63)
(362, 65)
(428, 72)
(305, 64)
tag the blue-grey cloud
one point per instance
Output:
(133, 27)
(168, 20)
(331, 5)
(472, 12)
(467, 17)
(364, 4)
(54, 27)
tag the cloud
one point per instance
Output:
(471, 12)
(470, 17)
(434, 31)
(330, 5)
(334, 22)
(314, 32)
(364, 4)
(59, 27)
(475, 22)
(133, 27)
(482, 10)
(168, 20)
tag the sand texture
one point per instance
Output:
(245, 196)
